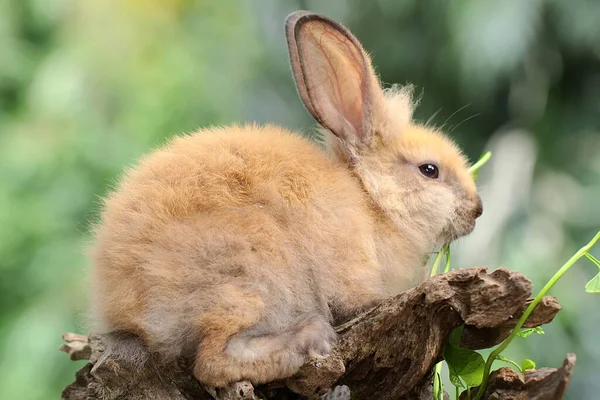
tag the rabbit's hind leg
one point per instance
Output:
(310, 337)
(233, 347)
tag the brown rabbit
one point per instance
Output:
(243, 244)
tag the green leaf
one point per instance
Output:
(426, 260)
(525, 333)
(472, 369)
(593, 286)
(454, 339)
(462, 363)
(527, 364)
(453, 375)
(455, 379)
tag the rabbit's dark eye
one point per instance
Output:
(429, 170)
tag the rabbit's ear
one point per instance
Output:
(334, 76)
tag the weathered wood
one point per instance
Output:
(385, 353)
(541, 384)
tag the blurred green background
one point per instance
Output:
(86, 87)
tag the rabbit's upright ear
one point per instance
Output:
(334, 77)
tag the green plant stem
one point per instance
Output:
(437, 383)
(494, 354)
(482, 160)
(437, 261)
(593, 259)
(447, 253)
(507, 360)
(438, 390)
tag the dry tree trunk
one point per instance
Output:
(385, 353)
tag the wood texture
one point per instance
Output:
(385, 353)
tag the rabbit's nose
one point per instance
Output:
(478, 207)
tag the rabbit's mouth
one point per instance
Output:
(461, 226)
(464, 219)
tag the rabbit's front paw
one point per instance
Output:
(337, 393)
(315, 336)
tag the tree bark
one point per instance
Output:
(385, 353)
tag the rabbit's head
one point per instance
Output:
(415, 175)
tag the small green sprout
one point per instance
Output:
(525, 333)
(509, 361)
(527, 364)
(593, 286)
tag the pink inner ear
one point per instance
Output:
(335, 73)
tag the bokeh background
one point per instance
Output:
(86, 87)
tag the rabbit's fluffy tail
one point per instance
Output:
(125, 347)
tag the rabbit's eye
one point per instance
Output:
(429, 170)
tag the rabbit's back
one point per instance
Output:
(256, 208)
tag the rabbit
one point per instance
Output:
(240, 246)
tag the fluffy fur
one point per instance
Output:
(241, 245)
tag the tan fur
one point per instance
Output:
(242, 244)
